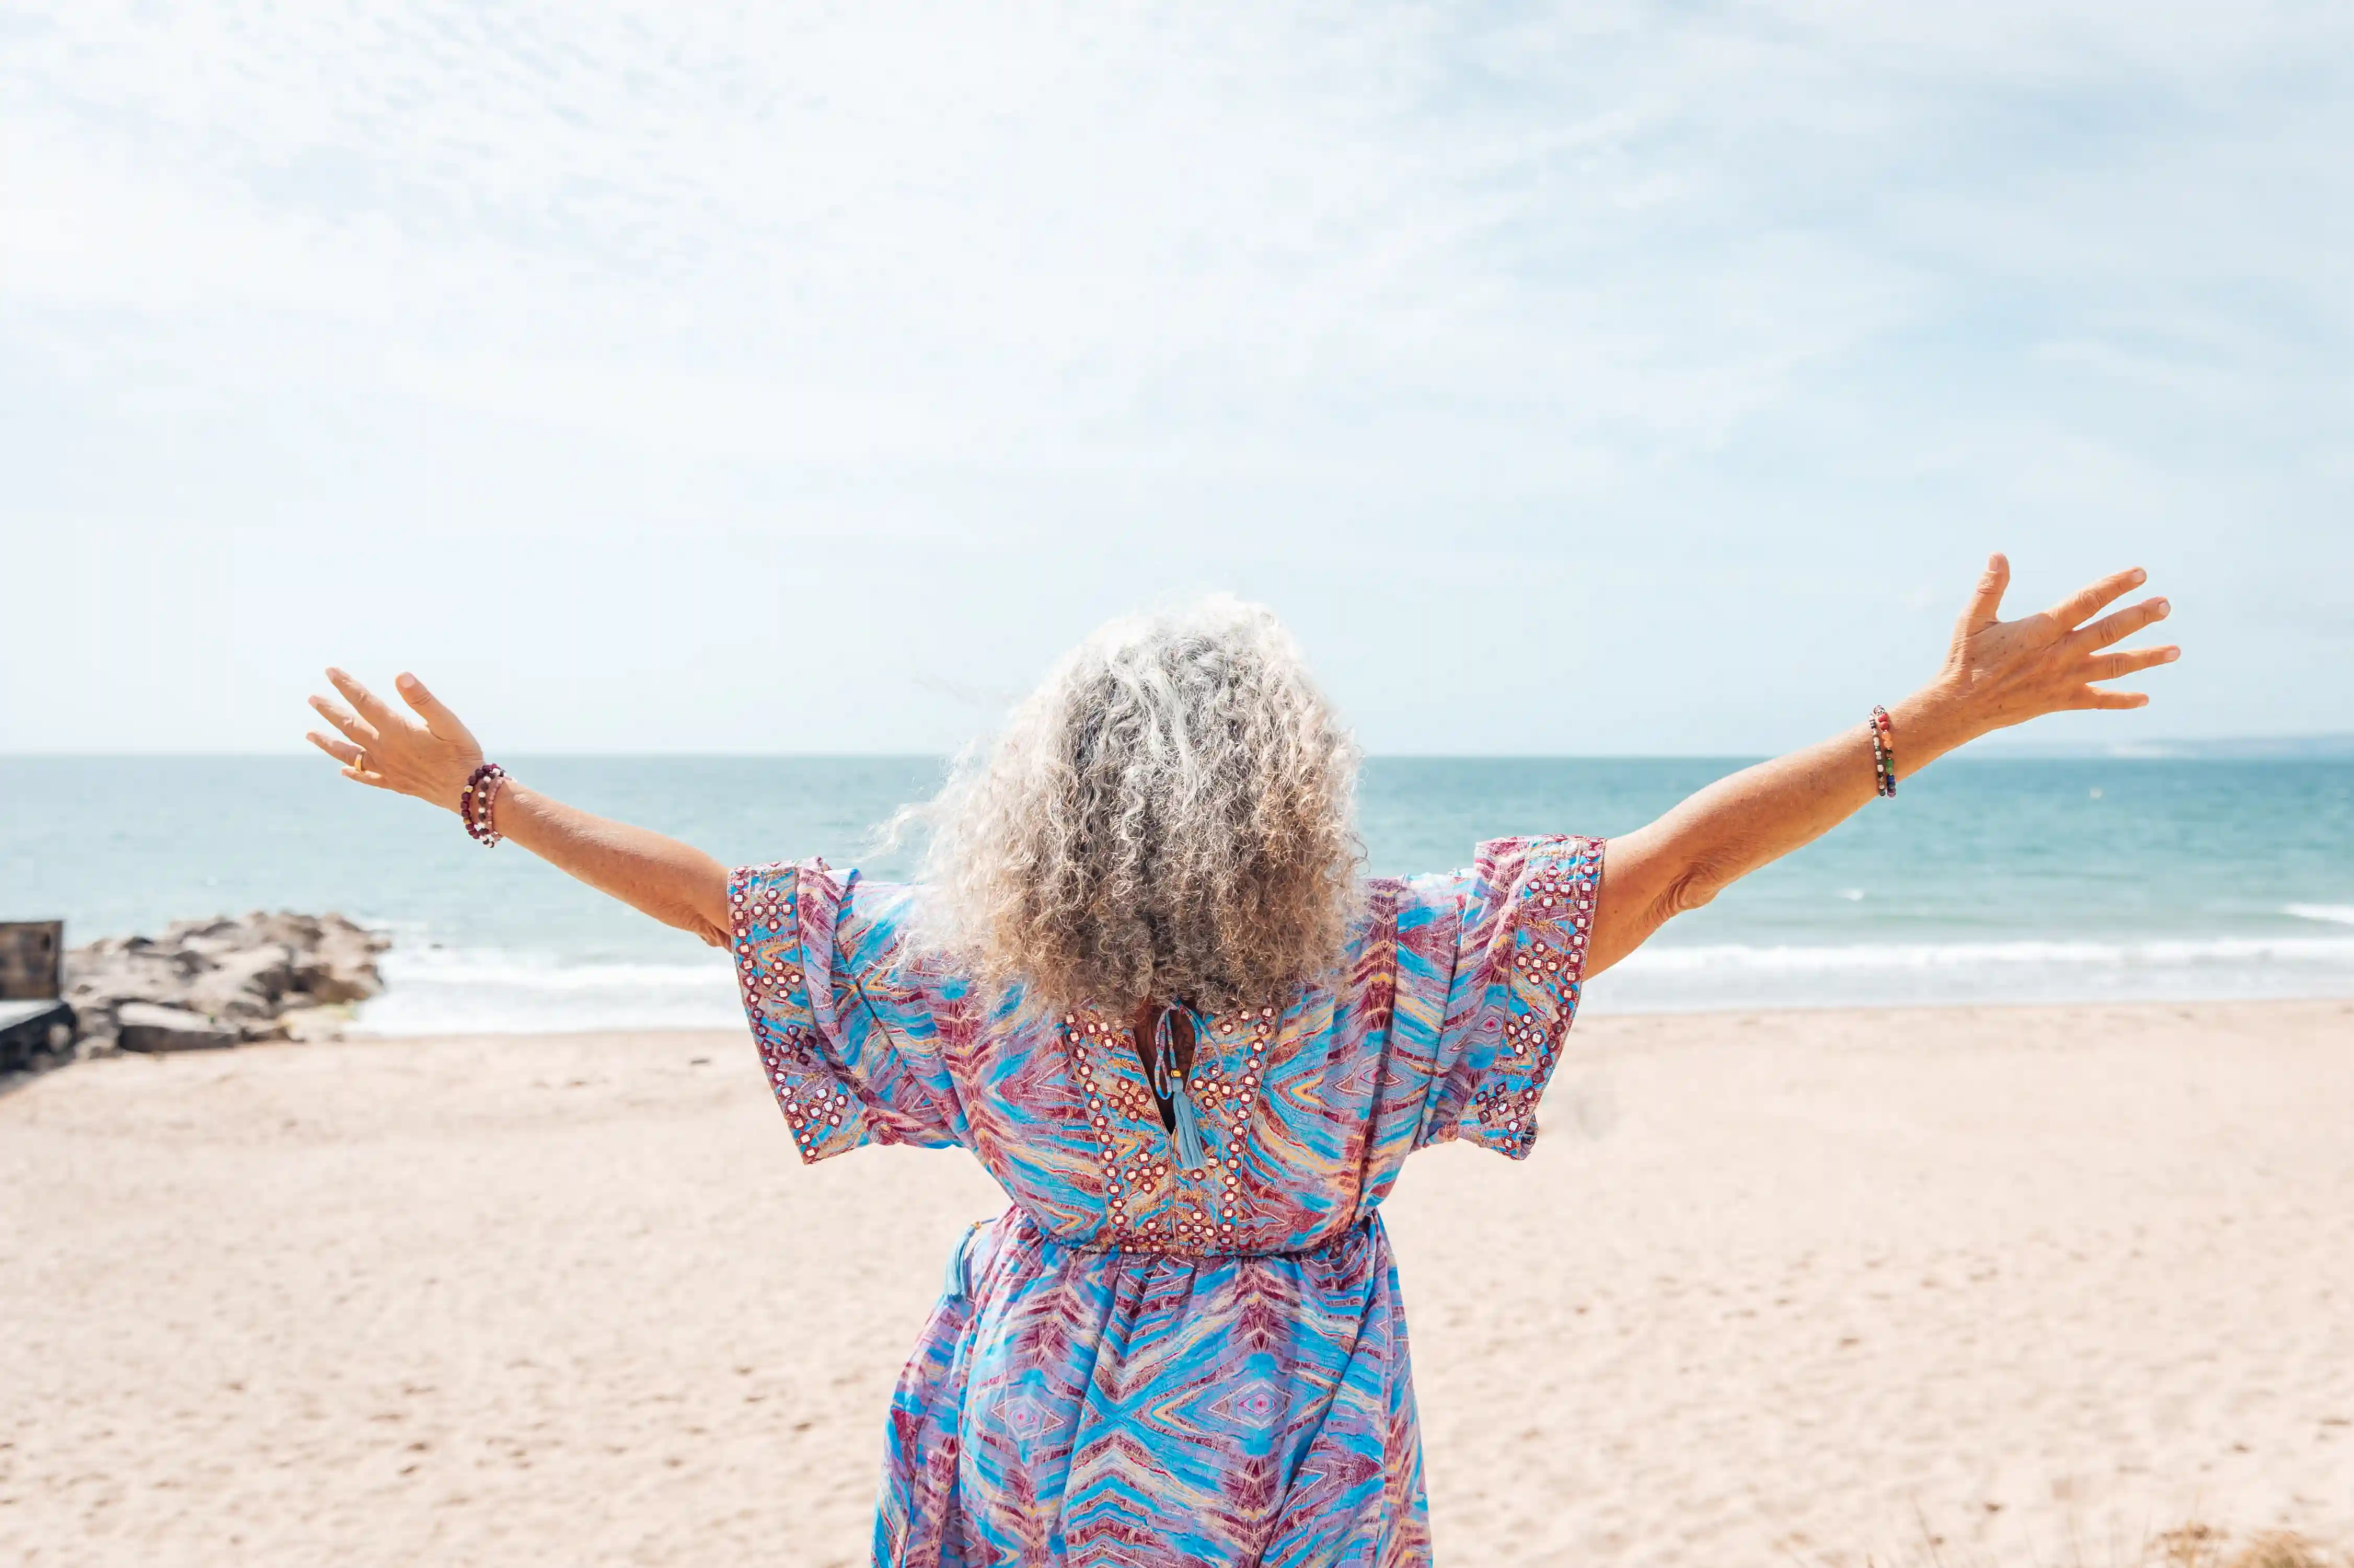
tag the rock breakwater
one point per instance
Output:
(221, 982)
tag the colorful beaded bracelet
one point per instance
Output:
(474, 802)
(1883, 753)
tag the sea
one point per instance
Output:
(1988, 879)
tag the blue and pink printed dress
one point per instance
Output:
(1140, 1365)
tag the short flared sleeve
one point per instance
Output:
(1490, 961)
(844, 1019)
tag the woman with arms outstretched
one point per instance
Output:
(1145, 984)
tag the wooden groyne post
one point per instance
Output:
(33, 1020)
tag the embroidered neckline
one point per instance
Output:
(1151, 1202)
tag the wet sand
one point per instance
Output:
(1775, 1288)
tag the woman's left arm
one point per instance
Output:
(1997, 673)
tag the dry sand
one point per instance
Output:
(1775, 1289)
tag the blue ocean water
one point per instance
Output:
(1987, 879)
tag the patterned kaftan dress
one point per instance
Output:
(1139, 1365)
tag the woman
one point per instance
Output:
(1145, 985)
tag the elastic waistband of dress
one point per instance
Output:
(1019, 1226)
(1365, 1226)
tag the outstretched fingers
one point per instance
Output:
(343, 751)
(350, 755)
(352, 725)
(444, 723)
(371, 708)
(2124, 623)
(2109, 666)
(2086, 602)
(1985, 600)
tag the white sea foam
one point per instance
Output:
(1665, 978)
(2335, 914)
(436, 991)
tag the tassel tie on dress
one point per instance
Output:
(1176, 1101)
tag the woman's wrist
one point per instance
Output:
(449, 793)
(1930, 723)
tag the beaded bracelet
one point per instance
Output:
(474, 802)
(1883, 754)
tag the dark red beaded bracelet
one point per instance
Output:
(474, 802)
(1883, 753)
(485, 799)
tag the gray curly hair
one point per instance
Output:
(1170, 816)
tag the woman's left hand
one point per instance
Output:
(2000, 672)
(1996, 673)
(429, 756)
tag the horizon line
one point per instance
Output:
(2157, 748)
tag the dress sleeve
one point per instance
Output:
(1522, 913)
(843, 1018)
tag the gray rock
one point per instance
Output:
(240, 975)
(145, 1026)
(245, 984)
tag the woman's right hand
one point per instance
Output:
(429, 756)
(433, 755)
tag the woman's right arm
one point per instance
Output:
(432, 756)
(1996, 673)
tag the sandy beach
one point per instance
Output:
(1775, 1288)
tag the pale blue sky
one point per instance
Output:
(1596, 378)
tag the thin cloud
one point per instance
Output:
(1387, 296)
